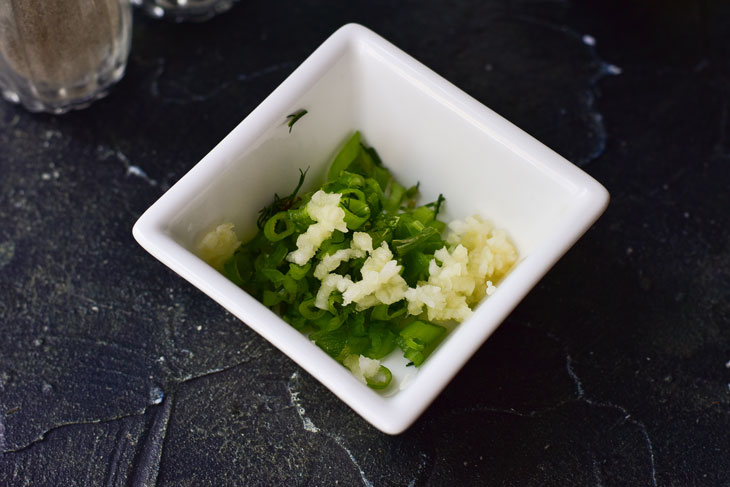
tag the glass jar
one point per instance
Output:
(58, 55)
(184, 10)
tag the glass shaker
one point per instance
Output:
(58, 55)
(184, 10)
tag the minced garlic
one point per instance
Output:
(362, 367)
(218, 245)
(324, 209)
(491, 254)
(381, 281)
(459, 277)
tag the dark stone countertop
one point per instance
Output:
(613, 371)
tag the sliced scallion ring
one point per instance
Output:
(271, 230)
(381, 380)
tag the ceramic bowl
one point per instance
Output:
(425, 129)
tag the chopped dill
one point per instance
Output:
(294, 117)
(280, 204)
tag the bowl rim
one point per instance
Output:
(396, 413)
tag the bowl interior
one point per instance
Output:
(426, 131)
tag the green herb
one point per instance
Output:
(382, 379)
(294, 117)
(437, 204)
(280, 204)
(345, 157)
(375, 203)
(418, 340)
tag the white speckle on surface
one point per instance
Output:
(308, 425)
(294, 398)
(727, 364)
(2, 434)
(629, 250)
(262, 72)
(131, 169)
(45, 176)
(199, 327)
(341, 443)
(488, 67)
(613, 70)
(7, 252)
(572, 374)
(49, 134)
(597, 473)
(160, 359)
(421, 467)
(686, 214)
(156, 395)
(642, 429)
(46, 388)
(37, 342)
(589, 40)
(137, 171)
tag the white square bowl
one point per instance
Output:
(425, 129)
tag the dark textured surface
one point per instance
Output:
(614, 371)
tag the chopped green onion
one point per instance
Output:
(300, 219)
(397, 192)
(332, 342)
(385, 312)
(271, 231)
(413, 190)
(382, 340)
(427, 240)
(375, 203)
(357, 212)
(230, 269)
(344, 158)
(418, 339)
(297, 272)
(271, 298)
(415, 356)
(309, 311)
(273, 275)
(381, 380)
(422, 331)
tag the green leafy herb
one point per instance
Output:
(375, 203)
(346, 156)
(437, 205)
(280, 204)
(294, 117)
